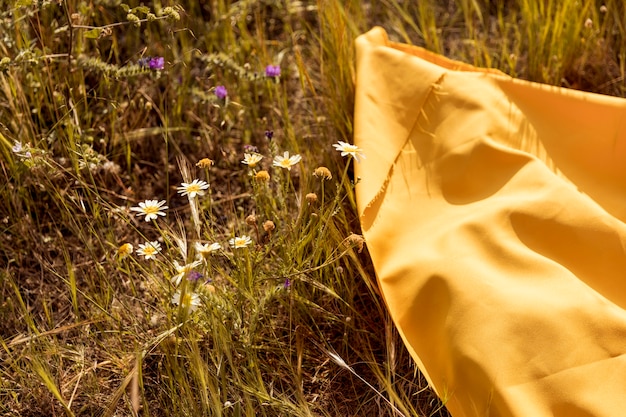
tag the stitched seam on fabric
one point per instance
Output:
(383, 188)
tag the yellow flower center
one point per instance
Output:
(240, 242)
(193, 188)
(186, 301)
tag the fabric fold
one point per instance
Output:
(494, 209)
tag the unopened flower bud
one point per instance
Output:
(262, 176)
(323, 173)
(205, 163)
(356, 240)
(268, 226)
(311, 198)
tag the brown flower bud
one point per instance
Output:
(356, 240)
(262, 176)
(268, 226)
(323, 173)
(205, 163)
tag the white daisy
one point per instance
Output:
(149, 250)
(204, 250)
(286, 161)
(239, 242)
(196, 187)
(190, 301)
(347, 149)
(125, 250)
(151, 209)
(251, 159)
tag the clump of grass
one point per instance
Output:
(251, 293)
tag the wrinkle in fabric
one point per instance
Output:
(494, 209)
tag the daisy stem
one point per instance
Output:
(343, 176)
(195, 214)
(248, 279)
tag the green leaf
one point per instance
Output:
(93, 33)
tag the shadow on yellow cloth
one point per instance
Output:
(494, 209)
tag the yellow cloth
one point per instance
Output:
(494, 209)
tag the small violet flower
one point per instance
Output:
(272, 71)
(20, 150)
(250, 148)
(17, 147)
(157, 63)
(221, 92)
(194, 276)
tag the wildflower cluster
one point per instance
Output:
(193, 268)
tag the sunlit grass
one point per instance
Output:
(251, 293)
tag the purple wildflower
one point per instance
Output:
(193, 276)
(269, 134)
(157, 63)
(221, 92)
(20, 150)
(17, 147)
(250, 148)
(287, 283)
(272, 71)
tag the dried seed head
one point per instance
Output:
(205, 163)
(268, 226)
(356, 240)
(311, 198)
(323, 173)
(262, 176)
(251, 220)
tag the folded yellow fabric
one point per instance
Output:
(494, 210)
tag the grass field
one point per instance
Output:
(179, 234)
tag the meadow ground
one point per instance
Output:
(178, 231)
